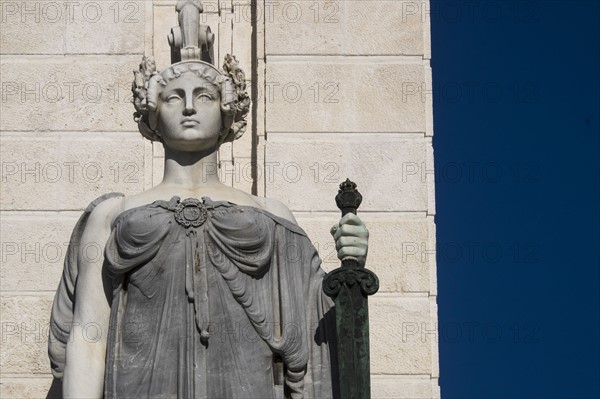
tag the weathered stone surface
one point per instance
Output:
(158, 168)
(158, 151)
(429, 176)
(260, 45)
(427, 97)
(33, 248)
(432, 244)
(31, 388)
(401, 333)
(148, 164)
(340, 95)
(261, 154)
(379, 27)
(433, 323)
(25, 333)
(242, 147)
(68, 171)
(77, 27)
(260, 102)
(244, 166)
(242, 178)
(148, 27)
(224, 41)
(226, 169)
(242, 38)
(32, 27)
(226, 152)
(426, 18)
(72, 93)
(113, 27)
(435, 388)
(394, 387)
(395, 247)
(164, 19)
(226, 173)
(305, 170)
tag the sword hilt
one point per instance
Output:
(348, 200)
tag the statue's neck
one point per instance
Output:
(190, 169)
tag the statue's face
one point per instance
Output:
(189, 114)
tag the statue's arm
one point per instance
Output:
(86, 349)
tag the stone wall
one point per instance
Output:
(340, 89)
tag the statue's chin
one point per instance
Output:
(191, 147)
(192, 143)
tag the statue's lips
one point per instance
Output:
(189, 122)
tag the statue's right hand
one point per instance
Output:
(351, 239)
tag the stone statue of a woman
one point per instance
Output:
(203, 291)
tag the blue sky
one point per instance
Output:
(516, 114)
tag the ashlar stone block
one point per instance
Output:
(427, 98)
(260, 162)
(68, 171)
(400, 387)
(36, 27)
(72, 27)
(242, 173)
(333, 94)
(148, 164)
(31, 388)
(244, 146)
(72, 93)
(222, 26)
(242, 37)
(158, 170)
(377, 27)
(105, 27)
(401, 332)
(432, 242)
(33, 248)
(435, 356)
(25, 324)
(428, 167)
(305, 170)
(165, 18)
(435, 388)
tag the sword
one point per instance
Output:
(349, 286)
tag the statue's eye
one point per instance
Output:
(173, 98)
(204, 97)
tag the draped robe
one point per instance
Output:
(207, 298)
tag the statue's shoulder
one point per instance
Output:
(277, 208)
(104, 210)
(108, 210)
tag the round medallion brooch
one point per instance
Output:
(190, 212)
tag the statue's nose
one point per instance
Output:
(189, 106)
